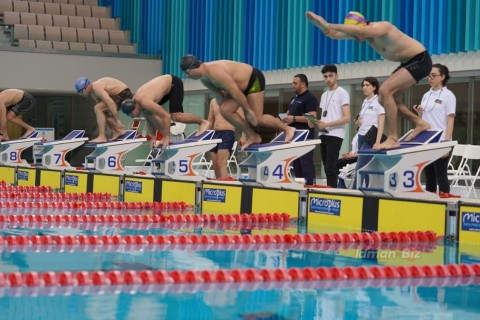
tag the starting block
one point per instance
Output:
(108, 156)
(11, 150)
(176, 161)
(269, 164)
(397, 171)
(51, 154)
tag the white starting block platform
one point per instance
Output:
(108, 156)
(11, 150)
(176, 161)
(51, 154)
(269, 164)
(397, 171)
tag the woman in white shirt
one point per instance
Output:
(438, 109)
(371, 114)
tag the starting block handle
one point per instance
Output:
(424, 137)
(206, 135)
(300, 135)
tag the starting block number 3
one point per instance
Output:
(407, 179)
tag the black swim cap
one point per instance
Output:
(189, 62)
(127, 106)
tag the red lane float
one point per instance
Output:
(71, 219)
(146, 277)
(46, 193)
(81, 204)
(209, 242)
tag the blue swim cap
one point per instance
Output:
(81, 83)
(127, 106)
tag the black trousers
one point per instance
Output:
(437, 173)
(330, 150)
(303, 168)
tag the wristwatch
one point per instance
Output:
(294, 120)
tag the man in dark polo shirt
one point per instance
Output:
(303, 102)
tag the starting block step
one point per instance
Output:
(11, 150)
(176, 161)
(397, 171)
(108, 156)
(269, 164)
(51, 154)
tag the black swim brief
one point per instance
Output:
(256, 82)
(227, 137)
(419, 66)
(175, 96)
(24, 105)
(122, 96)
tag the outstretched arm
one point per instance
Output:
(325, 27)
(349, 31)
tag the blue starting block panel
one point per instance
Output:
(397, 171)
(269, 164)
(51, 154)
(11, 150)
(176, 161)
(108, 156)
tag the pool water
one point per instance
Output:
(308, 302)
(340, 299)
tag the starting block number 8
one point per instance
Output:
(13, 156)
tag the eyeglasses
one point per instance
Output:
(433, 75)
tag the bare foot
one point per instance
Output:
(166, 142)
(289, 133)
(117, 135)
(251, 118)
(390, 143)
(27, 133)
(418, 129)
(203, 127)
(99, 140)
(4, 137)
(253, 139)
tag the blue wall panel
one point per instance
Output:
(274, 34)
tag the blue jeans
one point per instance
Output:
(362, 161)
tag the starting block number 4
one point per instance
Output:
(279, 172)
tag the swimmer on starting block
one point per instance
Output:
(225, 131)
(149, 99)
(14, 102)
(108, 93)
(236, 84)
(393, 45)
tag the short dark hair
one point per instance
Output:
(303, 78)
(329, 68)
(374, 82)
(189, 62)
(443, 71)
